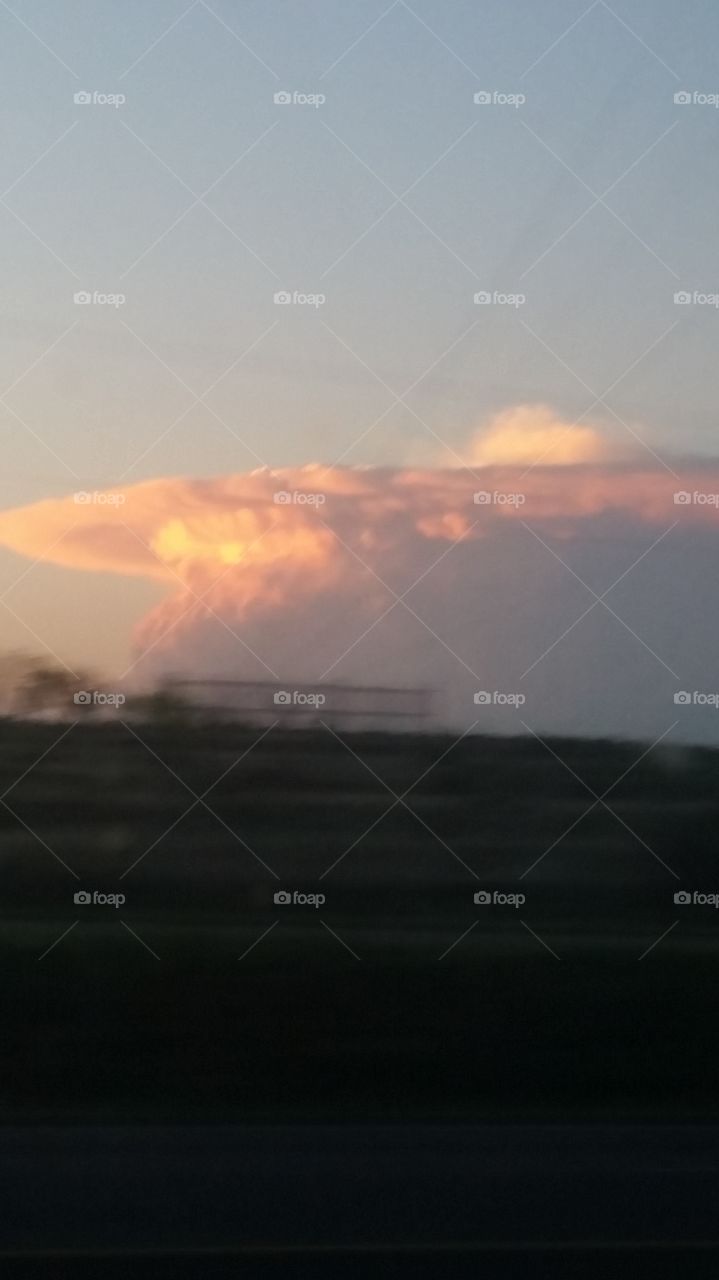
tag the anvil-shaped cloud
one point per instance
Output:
(458, 578)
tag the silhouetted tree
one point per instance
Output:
(47, 688)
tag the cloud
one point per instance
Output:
(535, 435)
(308, 585)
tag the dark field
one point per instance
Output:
(164, 1009)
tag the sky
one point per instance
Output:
(382, 198)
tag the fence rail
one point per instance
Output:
(265, 701)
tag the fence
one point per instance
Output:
(262, 702)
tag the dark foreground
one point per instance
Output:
(200, 998)
(382, 1200)
(202, 1081)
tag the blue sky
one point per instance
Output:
(313, 199)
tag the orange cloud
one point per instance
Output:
(252, 545)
